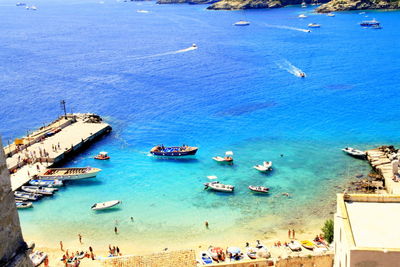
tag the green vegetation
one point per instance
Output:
(328, 230)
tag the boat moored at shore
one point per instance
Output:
(48, 183)
(27, 196)
(173, 151)
(39, 190)
(355, 152)
(23, 205)
(69, 173)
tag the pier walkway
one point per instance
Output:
(40, 151)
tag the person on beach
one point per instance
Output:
(206, 224)
(118, 254)
(293, 234)
(131, 219)
(289, 233)
(80, 238)
(116, 230)
(91, 253)
(61, 246)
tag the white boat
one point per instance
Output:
(142, 11)
(303, 5)
(219, 187)
(294, 245)
(47, 183)
(227, 159)
(314, 25)
(259, 189)
(39, 190)
(354, 152)
(105, 205)
(251, 253)
(330, 14)
(242, 23)
(205, 258)
(69, 173)
(27, 196)
(37, 257)
(33, 8)
(302, 16)
(23, 205)
(266, 166)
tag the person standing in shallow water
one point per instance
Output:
(206, 224)
(80, 238)
(116, 230)
(293, 233)
(289, 234)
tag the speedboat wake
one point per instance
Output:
(289, 67)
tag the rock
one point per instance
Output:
(345, 5)
(186, 1)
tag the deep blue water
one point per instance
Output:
(235, 92)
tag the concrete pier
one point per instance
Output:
(52, 144)
(383, 161)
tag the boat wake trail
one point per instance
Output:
(166, 53)
(289, 67)
(287, 28)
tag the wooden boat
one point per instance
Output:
(266, 166)
(39, 190)
(173, 151)
(48, 183)
(227, 159)
(219, 187)
(308, 244)
(37, 257)
(23, 205)
(102, 156)
(205, 258)
(69, 173)
(27, 196)
(242, 23)
(354, 152)
(106, 205)
(259, 189)
(294, 245)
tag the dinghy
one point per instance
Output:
(23, 205)
(227, 159)
(106, 205)
(259, 189)
(27, 196)
(47, 183)
(205, 258)
(294, 246)
(354, 152)
(266, 166)
(39, 190)
(308, 244)
(219, 187)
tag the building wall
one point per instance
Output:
(13, 249)
(374, 258)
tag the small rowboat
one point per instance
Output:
(48, 183)
(23, 205)
(205, 258)
(259, 189)
(219, 187)
(294, 246)
(308, 244)
(27, 196)
(266, 166)
(106, 205)
(39, 190)
(102, 156)
(173, 151)
(354, 152)
(227, 159)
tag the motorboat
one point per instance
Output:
(302, 16)
(194, 45)
(27, 196)
(106, 205)
(216, 253)
(20, 4)
(369, 23)
(314, 25)
(39, 190)
(242, 23)
(302, 74)
(259, 189)
(308, 244)
(205, 258)
(303, 4)
(331, 14)
(142, 11)
(217, 186)
(102, 156)
(37, 257)
(266, 166)
(227, 159)
(355, 152)
(69, 173)
(20, 199)
(294, 245)
(23, 205)
(376, 27)
(47, 183)
(173, 151)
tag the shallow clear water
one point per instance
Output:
(238, 91)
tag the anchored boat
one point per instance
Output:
(227, 159)
(370, 23)
(106, 205)
(47, 183)
(219, 187)
(314, 25)
(39, 190)
(23, 205)
(242, 23)
(259, 189)
(69, 173)
(354, 152)
(266, 166)
(173, 151)
(102, 156)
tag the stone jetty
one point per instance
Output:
(51, 144)
(384, 160)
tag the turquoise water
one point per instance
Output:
(236, 92)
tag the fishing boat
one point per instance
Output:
(173, 151)
(39, 190)
(308, 244)
(302, 16)
(37, 257)
(259, 189)
(242, 23)
(294, 245)
(205, 258)
(331, 14)
(314, 25)
(102, 156)
(106, 205)
(219, 187)
(69, 173)
(227, 159)
(47, 183)
(266, 166)
(27, 196)
(23, 205)
(369, 23)
(355, 152)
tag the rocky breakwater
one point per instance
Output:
(345, 5)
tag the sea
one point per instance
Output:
(238, 90)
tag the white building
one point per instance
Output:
(367, 230)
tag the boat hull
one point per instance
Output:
(62, 177)
(176, 152)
